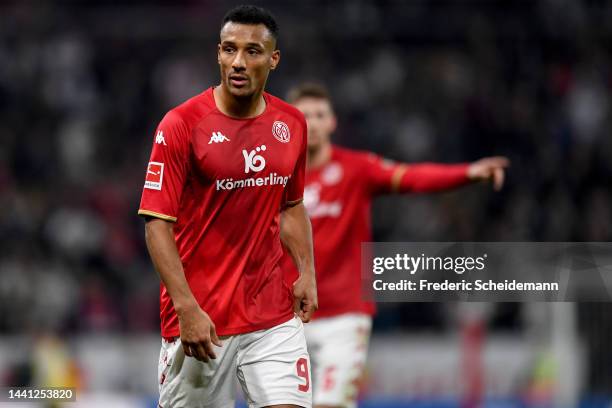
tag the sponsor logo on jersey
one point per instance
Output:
(253, 161)
(155, 176)
(332, 174)
(218, 137)
(273, 179)
(317, 208)
(159, 138)
(280, 130)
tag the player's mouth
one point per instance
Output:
(238, 81)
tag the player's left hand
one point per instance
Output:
(489, 168)
(305, 301)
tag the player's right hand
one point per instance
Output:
(489, 168)
(198, 334)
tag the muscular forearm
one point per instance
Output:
(430, 177)
(164, 254)
(296, 235)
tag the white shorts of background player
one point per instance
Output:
(338, 348)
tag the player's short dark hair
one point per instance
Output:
(308, 90)
(247, 14)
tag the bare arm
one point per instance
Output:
(296, 235)
(196, 328)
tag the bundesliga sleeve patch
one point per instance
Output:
(155, 175)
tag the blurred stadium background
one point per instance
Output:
(83, 85)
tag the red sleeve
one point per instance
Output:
(430, 177)
(294, 191)
(167, 169)
(385, 176)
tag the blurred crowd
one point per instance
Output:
(82, 88)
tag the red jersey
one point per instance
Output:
(224, 182)
(338, 198)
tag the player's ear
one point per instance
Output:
(274, 59)
(219, 54)
(334, 123)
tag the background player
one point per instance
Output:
(340, 184)
(233, 153)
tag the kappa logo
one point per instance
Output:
(155, 176)
(253, 161)
(159, 138)
(218, 137)
(280, 130)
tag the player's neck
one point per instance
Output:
(241, 108)
(319, 157)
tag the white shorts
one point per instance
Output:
(271, 365)
(338, 348)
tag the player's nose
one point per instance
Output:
(239, 62)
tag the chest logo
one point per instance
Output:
(318, 208)
(253, 161)
(218, 137)
(332, 174)
(280, 130)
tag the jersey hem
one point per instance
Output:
(157, 215)
(232, 331)
(371, 311)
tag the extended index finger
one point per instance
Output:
(500, 161)
(498, 178)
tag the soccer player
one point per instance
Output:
(223, 188)
(340, 185)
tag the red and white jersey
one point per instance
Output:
(224, 182)
(338, 198)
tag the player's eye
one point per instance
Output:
(253, 51)
(228, 49)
